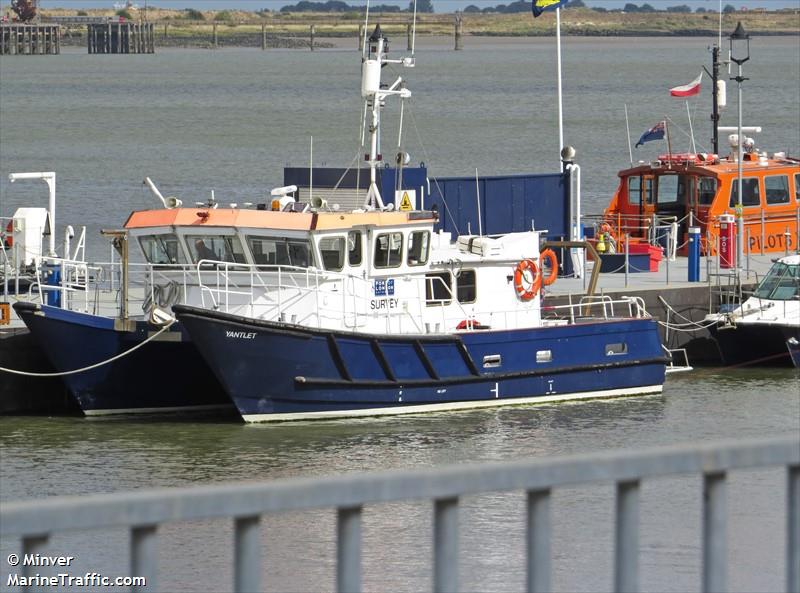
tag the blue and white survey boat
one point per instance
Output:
(387, 316)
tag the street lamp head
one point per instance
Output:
(740, 45)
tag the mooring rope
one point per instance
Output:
(94, 366)
(695, 326)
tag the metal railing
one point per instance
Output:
(143, 511)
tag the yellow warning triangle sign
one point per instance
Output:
(405, 202)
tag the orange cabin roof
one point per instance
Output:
(266, 219)
(722, 168)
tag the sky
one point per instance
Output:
(438, 5)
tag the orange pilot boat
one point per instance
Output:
(658, 202)
(677, 191)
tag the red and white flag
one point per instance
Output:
(687, 90)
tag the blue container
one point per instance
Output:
(694, 254)
(53, 274)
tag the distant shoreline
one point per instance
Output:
(292, 30)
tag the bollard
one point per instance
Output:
(263, 36)
(313, 32)
(458, 31)
(694, 254)
(214, 36)
(410, 37)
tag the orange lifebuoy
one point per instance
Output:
(552, 261)
(527, 289)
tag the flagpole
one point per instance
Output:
(691, 131)
(560, 107)
(628, 129)
(669, 146)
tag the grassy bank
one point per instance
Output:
(286, 29)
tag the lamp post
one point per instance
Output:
(740, 53)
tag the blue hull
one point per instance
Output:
(162, 376)
(279, 372)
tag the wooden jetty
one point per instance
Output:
(121, 38)
(31, 40)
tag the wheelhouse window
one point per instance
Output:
(438, 288)
(466, 286)
(640, 189)
(672, 189)
(750, 192)
(388, 250)
(776, 189)
(418, 247)
(706, 190)
(797, 187)
(331, 250)
(162, 249)
(782, 283)
(280, 251)
(225, 248)
(635, 190)
(354, 248)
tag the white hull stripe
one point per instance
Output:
(450, 405)
(170, 410)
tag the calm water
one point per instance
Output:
(229, 121)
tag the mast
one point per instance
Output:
(374, 96)
(715, 97)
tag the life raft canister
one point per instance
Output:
(527, 288)
(549, 256)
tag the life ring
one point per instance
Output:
(552, 262)
(527, 289)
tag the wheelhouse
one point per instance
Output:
(682, 190)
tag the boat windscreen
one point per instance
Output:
(162, 249)
(782, 283)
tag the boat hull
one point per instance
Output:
(762, 344)
(166, 375)
(280, 372)
(793, 344)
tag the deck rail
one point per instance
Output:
(143, 511)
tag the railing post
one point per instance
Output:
(793, 530)
(34, 544)
(627, 259)
(626, 548)
(538, 541)
(445, 545)
(348, 550)
(714, 532)
(247, 554)
(144, 557)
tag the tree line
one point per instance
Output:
(426, 6)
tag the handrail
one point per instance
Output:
(143, 511)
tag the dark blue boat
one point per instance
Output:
(165, 375)
(276, 371)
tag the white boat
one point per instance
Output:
(764, 327)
